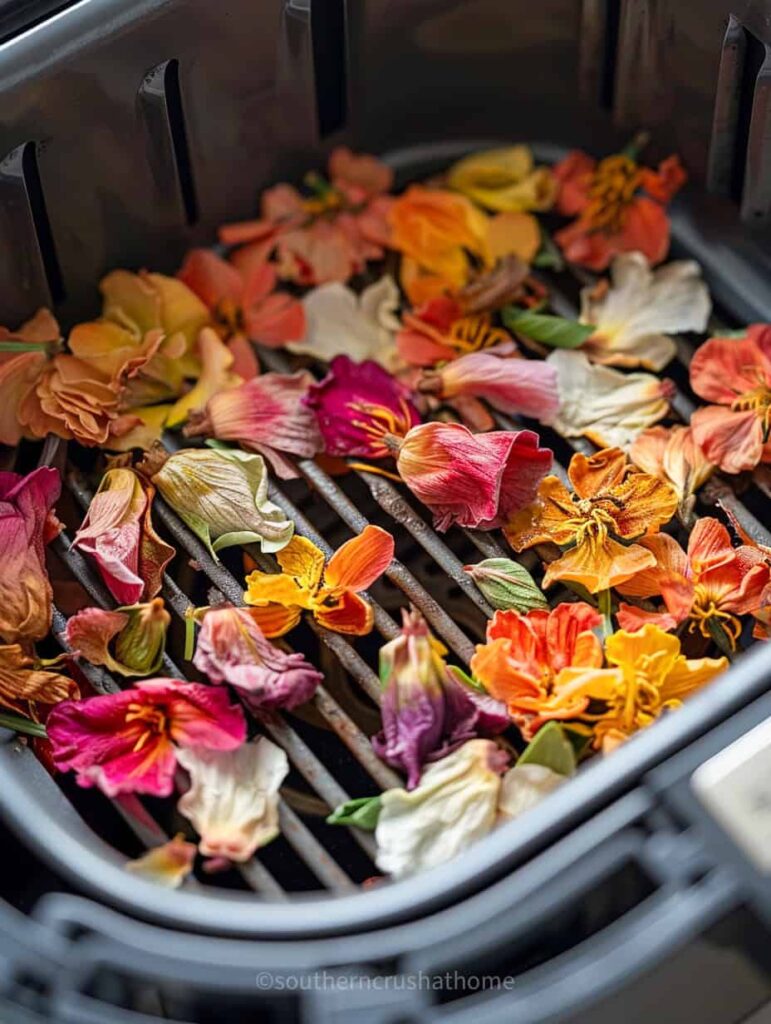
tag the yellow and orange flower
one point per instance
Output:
(21, 367)
(26, 681)
(709, 587)
(671, 454)
(328, 590)
(648, 676)
(526, 657)
(611, 504)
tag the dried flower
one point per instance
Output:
(609, 407)
(648, 676)
(709, 587)
(233, 799)
(504, 179)
(618, 205)
(129, 640)
(26, 504)
(222, 495)
(357, 405)
(612, 504)
(671, 454)
(127, 742)
(426, 709)
(735, 374)
(232, 648)
(340, 322)
(168, 864)
(216, 375)
(507, 584)
(21, 368)
(525, 658)
(455, 804)
(634, 315)
(265, 414)
(242, 300)
(329, 591)
(513, 386)
(524, 786)
(475, 480)
(26, 681)
(118, 534)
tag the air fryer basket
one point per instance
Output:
(131, 131)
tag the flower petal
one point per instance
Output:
(599, 565)
(168, 865)
(731, 440)
(351, 614)
(361, 560)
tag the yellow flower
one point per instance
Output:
(504, 180)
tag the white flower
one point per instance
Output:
(609, 407)
(340, 322)
(233, 798)
(524, 786)
(454, 805)
(636, 314)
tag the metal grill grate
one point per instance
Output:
(327, 744)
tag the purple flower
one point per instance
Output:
(357, 405)
(232, 649)
(427, 708)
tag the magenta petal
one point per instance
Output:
(525, 386)
(199, 715)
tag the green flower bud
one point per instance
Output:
(507, 585)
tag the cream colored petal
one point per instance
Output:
(455, 804)
(338, 322)
(233, 799)
(609, 407)
(641, 308)
(167, 865)
(524, 786)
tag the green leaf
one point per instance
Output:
(465, 679)
(25, 346)
(741, 333)
(551, 749)
(554, 331)
(363, 812)
(548, 256)
(506, 584)
(24, 725)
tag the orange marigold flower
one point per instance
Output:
(709, 587)
(612, 502)
(328, 590)
(527, 656)
(618, 205)
(648, 676)
(735, 374)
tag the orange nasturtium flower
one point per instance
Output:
(619, 206)
(647, 676)
(709, 587)
(526, 656)
(330, 592)
(612, 503)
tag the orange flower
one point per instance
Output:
(648, 676)
(438, 332)
(709, 587)
(618, 205)
(330, 592)
(20, 370)
(527, 656)
(671, 454)
(611, 503)
(735, 373)
(25, 681)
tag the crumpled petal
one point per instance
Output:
(340, 322)
(233, 798)
(642, 307)
(168, 864)
(216, 375)
(672, 454)
(609, 407)
(732, 440)
(455, 804)
(524, 786)
(23, 681)
(504, 179)
(129, 641)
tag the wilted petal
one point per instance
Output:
(734, 441)
(524, 786)
(168, 865)
(24, 681)
(609, 407)
(636, 314)
(233, 798)
(504, 179)
(339, 322)
(223, 498)
(216, 375)
(455, 804)
(129, 641)
(671, 454)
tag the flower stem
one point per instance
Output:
(25, 346)
(19, 724)
(605, 608)
(189, 633)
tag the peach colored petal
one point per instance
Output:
(731, 440)
(599, 564)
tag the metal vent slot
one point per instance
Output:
(328, 30)
(160, 101)
(739, 164)
(598, 51)
(31, 253)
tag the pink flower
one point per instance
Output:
(118, 534)
(357, 405)
(243, 300)
(26, 524)
(233, 649)
(474, 480)
(265, 414)
(126, 742)
(512, 386)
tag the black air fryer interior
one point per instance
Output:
(131, 131)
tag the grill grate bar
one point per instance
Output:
(355, 740)
(321, 863)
